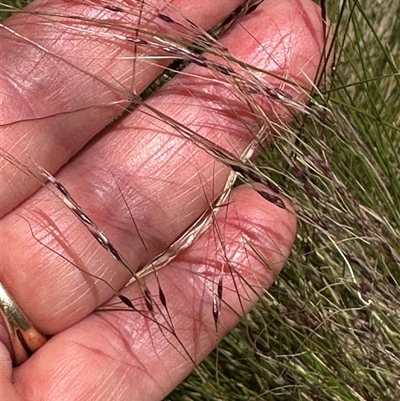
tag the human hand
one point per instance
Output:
(50, 110)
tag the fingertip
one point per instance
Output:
(246, 247)
(7, 390)
(291, 41)
(267, 220)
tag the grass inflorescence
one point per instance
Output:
(329, 328)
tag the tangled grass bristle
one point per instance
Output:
(329, 328)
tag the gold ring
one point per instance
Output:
(24, 338)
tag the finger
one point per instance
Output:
(125, 355)
(89, 66)
(7, 389)
(166, 183)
